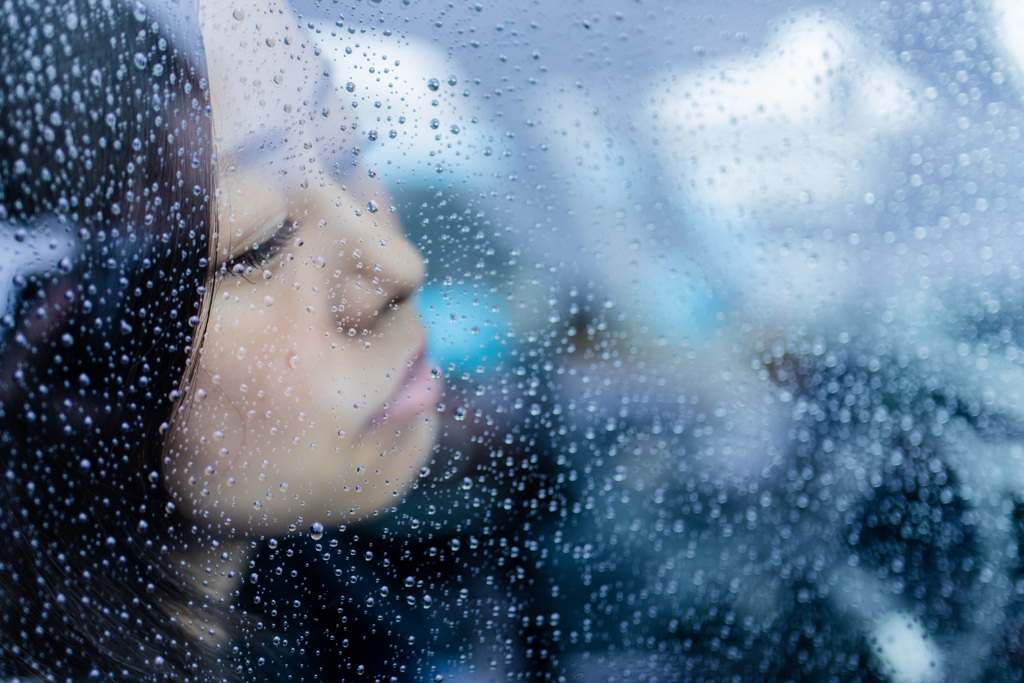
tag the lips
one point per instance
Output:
(418, 392)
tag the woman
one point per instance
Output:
(208, 338)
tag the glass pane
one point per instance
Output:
(439, 341)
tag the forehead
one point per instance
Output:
(270, 91)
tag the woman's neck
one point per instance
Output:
(213, 570)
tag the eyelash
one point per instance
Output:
(260, 254)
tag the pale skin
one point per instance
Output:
(313, 400)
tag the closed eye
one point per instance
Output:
(258, 255)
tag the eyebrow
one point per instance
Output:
(263, 149)
(268, 147)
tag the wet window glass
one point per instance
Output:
(452, 342)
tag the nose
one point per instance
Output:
(376, 268)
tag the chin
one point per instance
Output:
(392, 460)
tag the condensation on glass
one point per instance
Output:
(706, 365)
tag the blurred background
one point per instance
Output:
(727, 299)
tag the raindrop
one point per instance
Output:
(433, 84)
(316, 531)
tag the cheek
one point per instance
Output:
(279, 414)
(278, 374)
(276, 417)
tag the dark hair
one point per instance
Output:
(105, 152)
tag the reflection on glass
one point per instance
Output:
(723, 297)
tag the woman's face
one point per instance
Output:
(312, 399)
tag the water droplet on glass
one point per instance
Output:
(316, 531)
(433, 84)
